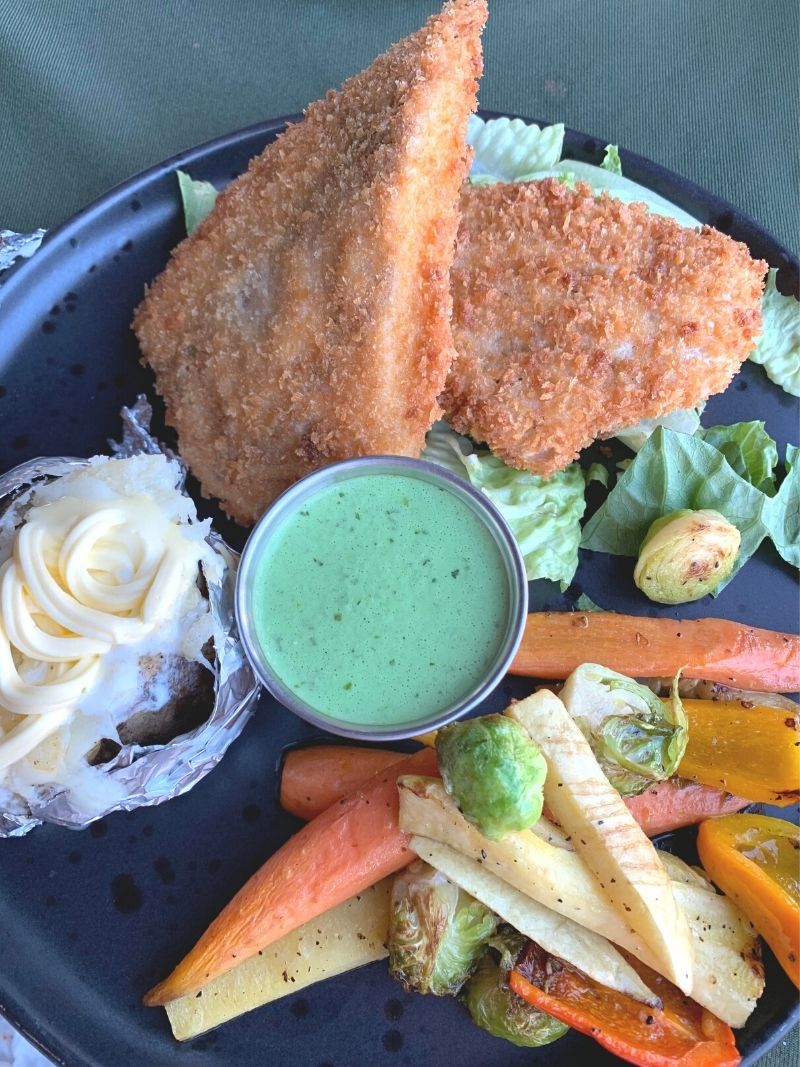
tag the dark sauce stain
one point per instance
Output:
(20, 441)
(740, 385)
(393, 1010)
(48, 326)
(135, 205)
(55, 309)
(119, 380)
(127, 246)
(70, 307)
(125, 894)
(71, 297)
(392, 1040)
(251, 813)
(326, 1063)
(147, 831)
(724, 221)
(299, 1008)
(164, 870)
(98, 829)
(131, 839)
(214, 866)
(73, 242)
(74, 856)
(92, 269)
(77, 370)
(72, 935)
(116, 258)
(50, 901)
(207, 1041)
(3, 391)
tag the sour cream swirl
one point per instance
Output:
(84, 576)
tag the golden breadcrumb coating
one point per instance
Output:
(575, 316)
(308, 318)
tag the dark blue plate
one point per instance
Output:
(89, 921)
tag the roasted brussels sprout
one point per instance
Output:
(437, 932)
(498, 1010)
(494, 772)
(637, 738)
(686, 555)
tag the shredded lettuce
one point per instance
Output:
(198, 199)
(778, 347)
(544, 513)
(585, 603)
(749, 449)
(675, 471)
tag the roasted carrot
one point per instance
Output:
(555, 643)
(675, 803)
(350, 846)
(315, 777)
(679, 1034)
(318, 776)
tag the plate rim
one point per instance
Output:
(31, 1028)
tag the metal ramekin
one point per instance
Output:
(301, 493)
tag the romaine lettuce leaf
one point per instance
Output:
(675, 471)
(783, 513)
(778, 347)
(544, 513)
(198, 199)
(749, 449)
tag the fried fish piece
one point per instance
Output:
(575, 316)
(308, 318)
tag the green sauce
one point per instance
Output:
(381, 600)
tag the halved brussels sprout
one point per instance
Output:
(686, 555)
(437, 932)
(636, 738)
(494, 772)
(496, 1008)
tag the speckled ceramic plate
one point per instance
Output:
(88, 921)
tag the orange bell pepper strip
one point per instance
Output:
(755, 860)
(751, 750)
(680, 1034)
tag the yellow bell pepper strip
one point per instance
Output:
(679, 1034)
(755, 860)
(753, 751)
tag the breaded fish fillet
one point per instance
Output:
(308, 318)
(575, 316)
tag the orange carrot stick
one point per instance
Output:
(555, 643)
(318, 776)
(347, 848)
(315, 777)
(674, 803)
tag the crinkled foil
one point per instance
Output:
(155, 773)
(13, 245)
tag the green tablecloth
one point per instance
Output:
(92, 91)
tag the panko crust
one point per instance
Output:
(308, 318)
(575, 316)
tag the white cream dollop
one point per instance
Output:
(98, 566)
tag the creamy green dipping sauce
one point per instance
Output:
(381, 600)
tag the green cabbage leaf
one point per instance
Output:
(778, 347)
(198, 199)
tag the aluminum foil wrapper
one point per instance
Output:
(13, 245)
(155, 773)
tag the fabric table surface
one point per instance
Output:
(94, 91)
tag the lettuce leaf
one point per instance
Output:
(749, 449)
(675, 471)
(509, 150)
(778, 347)
(544, 513)
(198, 199)
(684, 420)
(783, 515)
(611, 161)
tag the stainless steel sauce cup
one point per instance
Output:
(299, 495)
